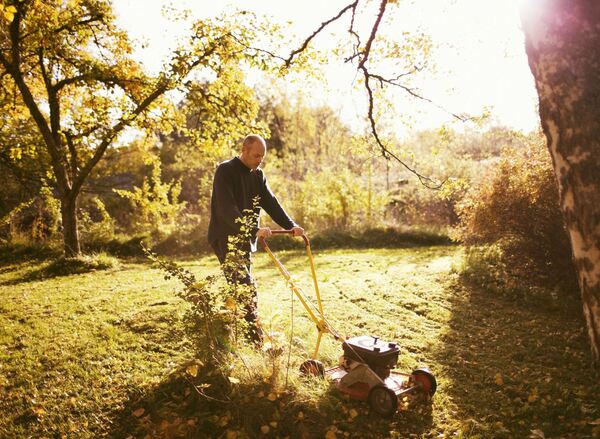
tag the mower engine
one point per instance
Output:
(379, 355)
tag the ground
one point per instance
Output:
(105, 354)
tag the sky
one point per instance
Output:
(480, 55)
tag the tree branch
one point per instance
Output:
(425, 181)
(374, 29)
(113, 132)
(15, 71)
(323, 25)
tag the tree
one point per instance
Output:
(563, 47)
(73, 71)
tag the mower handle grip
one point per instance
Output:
(263, 241)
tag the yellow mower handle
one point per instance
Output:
(317, 316)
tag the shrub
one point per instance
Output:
(515, 207)
(64, 266)
(155, 205)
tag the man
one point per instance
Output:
(237, 182)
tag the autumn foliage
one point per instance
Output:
(513, 226)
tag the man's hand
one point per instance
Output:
(263, 232)
(298, 231)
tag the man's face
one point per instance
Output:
(253, 155)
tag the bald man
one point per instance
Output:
(237, 182)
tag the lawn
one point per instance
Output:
(105, 354)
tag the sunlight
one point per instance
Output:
(480, 55)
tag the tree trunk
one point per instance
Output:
(563, 47)
(68, 209)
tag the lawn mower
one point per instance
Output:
(365, 370)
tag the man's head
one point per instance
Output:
(254, 150)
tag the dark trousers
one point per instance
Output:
(241, 275)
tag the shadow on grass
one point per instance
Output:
(20, 253)
(512, 368)
(211, 406)
(62, 266)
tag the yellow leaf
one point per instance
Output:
(233, 380)
(11, 9)
(533, 396)
(139, 412)
(260, 394)
(499, 380)
(330, 435)
(230, 303)
(271, 396)
(353, 413)
(192, 370)
(8, 16)
(39, 411)
(265, 429)
(273, 424)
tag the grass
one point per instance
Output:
(105, 354)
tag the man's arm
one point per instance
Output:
(271, 205)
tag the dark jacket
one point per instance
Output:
(234, 187)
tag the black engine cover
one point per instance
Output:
(377, 354)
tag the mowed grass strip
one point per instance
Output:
(95, 354)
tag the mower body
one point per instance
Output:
(365, 372)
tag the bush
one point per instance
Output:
(64, 266)
(516, 209)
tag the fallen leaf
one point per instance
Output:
(139, 412)
(596, 422)
(300, 415)
(537, 434)
(273, 424)
(39, 411)
(192, 370)
(353, 413)
(533, 396)
(265, 429)
(233, 380)
(499, 380)
(271, 396)
(232, 434)
(330, 434)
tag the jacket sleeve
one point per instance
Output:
(226, 207)
(271, 205)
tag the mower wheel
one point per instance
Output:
(427, 380)
(312, 367)
(383, 401)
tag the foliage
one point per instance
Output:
(37, 219)
(215, 317)
(515, 207)
(95, 223)
(155, 205)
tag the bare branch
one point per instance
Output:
(374, 29)
(415, 94)
(425, 181)
(323, 25)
